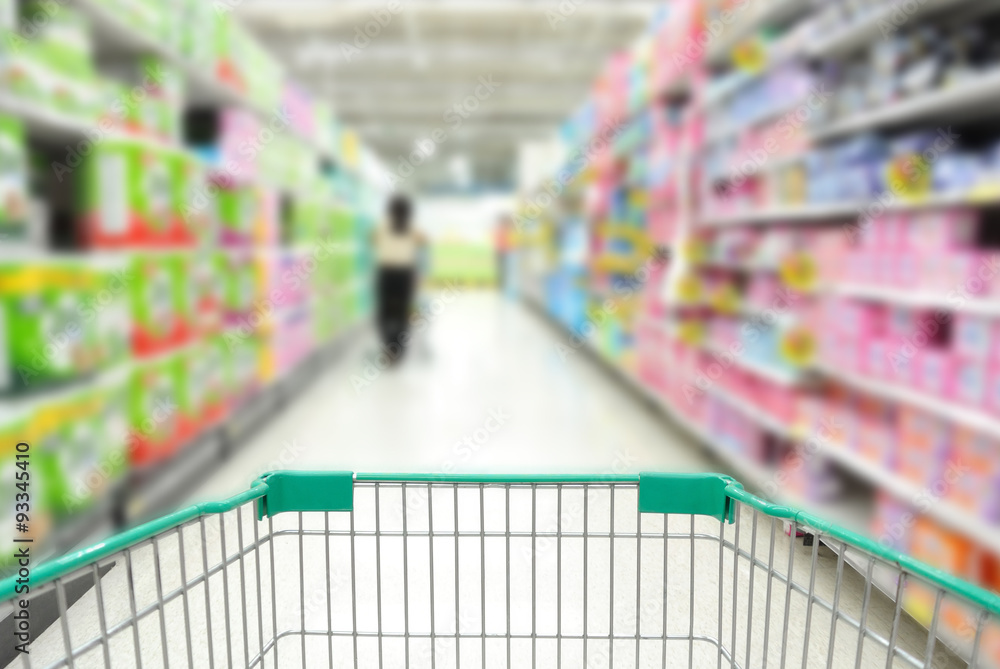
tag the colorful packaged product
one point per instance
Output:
(162, 302)
(44, 337)
(154, 411)
(13, 181)
(128, 195)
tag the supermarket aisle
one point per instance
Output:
(485, 390)
(483, 358)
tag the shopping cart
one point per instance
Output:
(343, 570)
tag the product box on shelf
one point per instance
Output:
(110, 309)
(208, 292)
(238, 272)
(154, 411)
(44, 336)
(972, 473)
(162, 298)
(13, 180)
(876, 431)
(245, 363)
(210, 381)
(60, 35)
(67, 431)
(923, 446)
(184, 176)
(129, 197)
(239, 209)
(993, 387)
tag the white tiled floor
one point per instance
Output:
(482, 356)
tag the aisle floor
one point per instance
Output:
(484, 364)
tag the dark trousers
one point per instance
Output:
(394, 288)
(501, 270)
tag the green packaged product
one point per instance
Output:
(13, 181)
(45, 338)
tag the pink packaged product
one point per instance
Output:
(970, 383)
(300, 110)
(934, 371)
(297, 267)
(238, 130)
(268, 231)
(943, 230)
(906, 270)
(960, 271)
(663, 224)
(783, 403)
(890, 514)
(972, 335)
(900, 364)
(992, 393)
(878, 355)
(974, 469)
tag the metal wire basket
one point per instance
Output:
(343, 570)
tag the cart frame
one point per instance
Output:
(689, 506)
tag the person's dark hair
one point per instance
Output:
(400, 213)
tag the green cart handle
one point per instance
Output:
(709, 495)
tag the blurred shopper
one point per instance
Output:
(397, 252)
(504, 249)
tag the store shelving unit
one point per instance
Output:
(968, 99)
(753, 17)
(972, 98)
(920, 299)
(153, 488)
(863, 30)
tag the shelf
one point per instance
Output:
(51, 124)
(847, 39)
(975, 97)
(761, 14)
(115, 36)
(765, 420)
(944, 512)
(804, 213)
(203, 88)
(917, 299)
(970, 418)
(726, 130)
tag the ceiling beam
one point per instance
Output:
(294, 14)
(554, 88)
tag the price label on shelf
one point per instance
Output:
(910, 177)
(985, 193)
(691, 332)
(689, 288)
(694, 250)
(798, 346)
(799, 272)
(726, 299)
(750, 56)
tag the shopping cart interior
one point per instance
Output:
(334, 569)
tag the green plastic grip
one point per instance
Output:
(306, 491)
(688, 494)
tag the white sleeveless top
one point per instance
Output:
(396, 250)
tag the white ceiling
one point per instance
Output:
(429, 56)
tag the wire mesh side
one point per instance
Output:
(194, 596)
(497, 575)
(840, 607)
(501, 575)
